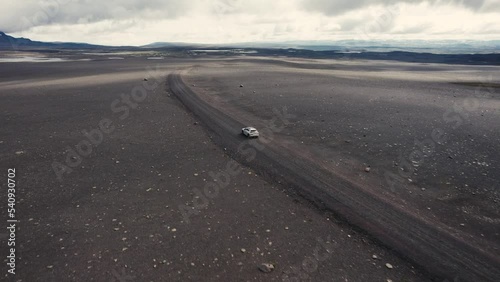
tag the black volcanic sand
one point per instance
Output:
(115, 216)
(385, 116)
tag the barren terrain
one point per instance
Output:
(166, 195)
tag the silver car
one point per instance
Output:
(250, 132)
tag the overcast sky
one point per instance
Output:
(138, 22)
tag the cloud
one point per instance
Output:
(338, 7)
(413, 29)
(349, 24)
(137, 22)
(22, 15)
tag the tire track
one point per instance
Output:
(425, 243)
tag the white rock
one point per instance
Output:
(266, 267)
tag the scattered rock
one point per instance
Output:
(145, 79)
(19, 153)
(50, 266)
(423, 189)
(195, 123)
(388, 265)
(367, 169)
(241, 85)
(243, 250)
(174, 230)
(286, 227)
(266, 267)
(374, 257)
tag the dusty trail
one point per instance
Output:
(423, 241)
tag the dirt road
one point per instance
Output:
(422, 240)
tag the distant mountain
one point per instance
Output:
(168, 45)
(8, 42)
(416, 46)
(420, 51)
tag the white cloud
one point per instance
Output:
(137, 22)
(334, 7)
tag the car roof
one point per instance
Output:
(250, 128)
